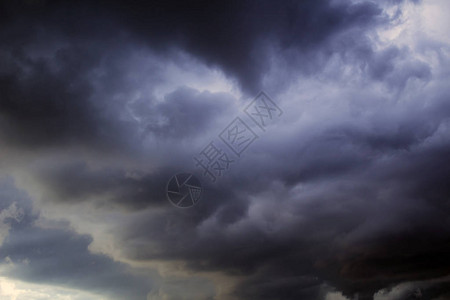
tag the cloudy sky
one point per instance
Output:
(343, 194)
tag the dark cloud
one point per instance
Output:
(282, 288)
(184, 114)
(236, 36)
(49, 102)
(351, 197)
(371, 211)
(53, 51)
(60, 256)
(76, 182)
(40, 107)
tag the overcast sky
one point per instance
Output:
(343, 194)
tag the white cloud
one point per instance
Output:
(335, 296)
(17, 290)
(12, 212)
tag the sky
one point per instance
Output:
(316, 134)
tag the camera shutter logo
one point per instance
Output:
(184, 190)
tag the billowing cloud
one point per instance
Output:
(343, 197)
(59, 256)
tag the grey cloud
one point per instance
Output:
(389, 66)
(185, 113)
(76, 182)
(60, 256)
(49, 92)
(358, 205)
(232, 35)
(370, 211)
(43, 105)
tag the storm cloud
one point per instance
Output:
(344, 196)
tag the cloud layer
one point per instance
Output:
(344, 197)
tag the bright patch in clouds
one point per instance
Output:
(18, 290)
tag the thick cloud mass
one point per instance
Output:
(345, 196)
(59, 255)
